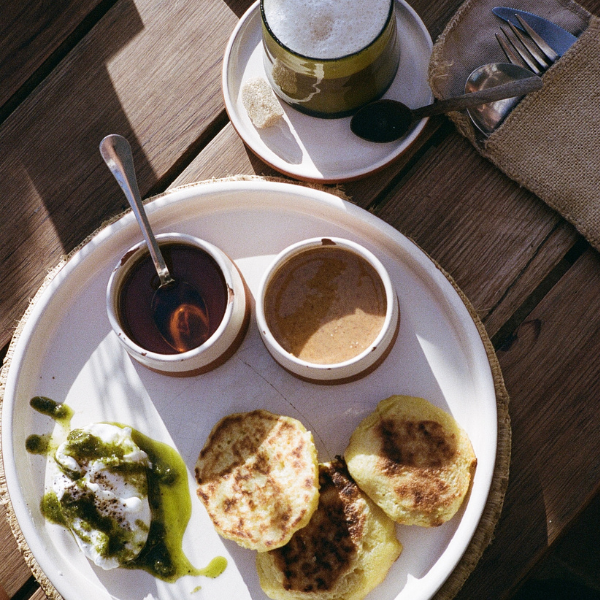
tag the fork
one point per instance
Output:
(526, 48)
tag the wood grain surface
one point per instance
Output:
(13, 569)
(555, 468)
(31, 32)
(153, 79)
(73, 71)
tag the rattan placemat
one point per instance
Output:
(484, 532)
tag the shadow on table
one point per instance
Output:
(555, 589)
(522, 527)
(51, 169)
(239, 7)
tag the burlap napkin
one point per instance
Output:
(550, 143)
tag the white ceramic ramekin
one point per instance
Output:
(222, 343)
(353, 368)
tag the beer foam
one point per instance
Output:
(326, 28)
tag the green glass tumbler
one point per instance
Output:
(332, 87)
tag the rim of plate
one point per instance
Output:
(204, 191)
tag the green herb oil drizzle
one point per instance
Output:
(168, 495)
(38, 444)
(61, 413)
(171, 507)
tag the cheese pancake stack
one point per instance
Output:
(257, 476)
(342, 554)
(413, 460)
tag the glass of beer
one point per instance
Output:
(327, 58)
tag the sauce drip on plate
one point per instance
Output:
(168, 493)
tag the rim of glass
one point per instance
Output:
(325, 60)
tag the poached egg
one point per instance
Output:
(101, 487)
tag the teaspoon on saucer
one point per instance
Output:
(388, 120)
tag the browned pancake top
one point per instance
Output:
(423, 448)
(242, 436)
(423, 444)
(257, 478)
(320, 553)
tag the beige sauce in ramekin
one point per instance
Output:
(325, 305)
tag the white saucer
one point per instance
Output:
(323, 150)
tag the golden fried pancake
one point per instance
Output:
(342, 554)
(258, 478)
(413, 460)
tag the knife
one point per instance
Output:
(559, 39)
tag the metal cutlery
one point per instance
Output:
(526, 48)
(388, 120)
(559, 39)
(487, 117)
(532, 42)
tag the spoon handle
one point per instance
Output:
(116, 152)
(492, 94)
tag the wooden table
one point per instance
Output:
(75, 70)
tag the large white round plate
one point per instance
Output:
(68, 352)
(315, 149)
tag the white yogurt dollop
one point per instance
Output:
(102, 491)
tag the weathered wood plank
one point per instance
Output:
(31, 31)
(224, 156)
(14, 571)
(38, 595)
(541, 272)
(552, 375)
(435, 15)
(372, 189)
(479, 225)
(149, 71)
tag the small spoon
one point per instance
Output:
(178, 309)
(487, 117)
(388, 120)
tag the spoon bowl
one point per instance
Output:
(487, 117)
(180, 314)
(206, 267)
(178, 309)
(388, 120)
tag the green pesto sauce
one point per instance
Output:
(215, 567)
(38, 444)
(51, 509)
(61, 413)
(83, 511)
(85, 447)
(79, 511)
(168, 495)
(171, 507)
